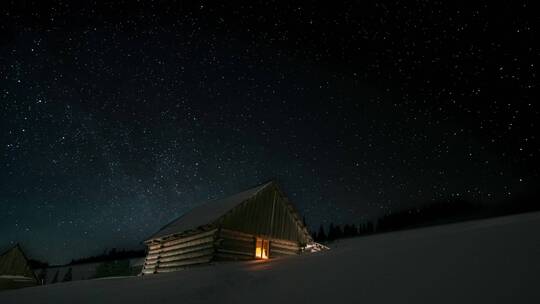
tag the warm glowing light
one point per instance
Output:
(262, 249)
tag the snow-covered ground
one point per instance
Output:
(487, 261)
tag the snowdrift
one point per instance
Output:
(486, 261)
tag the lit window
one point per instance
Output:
(262, 249)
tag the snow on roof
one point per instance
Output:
(206, 213)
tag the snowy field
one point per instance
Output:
(486, 261)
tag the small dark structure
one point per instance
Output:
(259, 223)
(15, 271)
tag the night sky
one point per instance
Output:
(117, 117)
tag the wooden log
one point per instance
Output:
(186, 250)
(236, 234)
(164, 261)
(243, 253)
(235, 243)
(282, 252)
(176, 266)
(284, 247)
(151, 257)
(173, 237)
(180, 255)
(182, 245)
(164, 270)
(272, 248)
(237, 238)
(179, 240)
(282, 242)
(151, 266)
(234, 257)
(150, 262)
(154, 247)
(241, 236)
(178, 251)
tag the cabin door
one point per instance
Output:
(262, 249)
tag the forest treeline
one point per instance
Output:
(111, 255)
(434, 213)
(107, 256)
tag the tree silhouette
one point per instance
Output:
(331, 232)
(321, 235)
(68, 276)
(55, 278)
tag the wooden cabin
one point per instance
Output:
(15, 270)
(259, 223)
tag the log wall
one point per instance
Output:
(178, 252)
(283, 247)
(234, 245)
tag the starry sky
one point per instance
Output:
(118, 116)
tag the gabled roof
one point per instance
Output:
(13, 262)
(207, 213)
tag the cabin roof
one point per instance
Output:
(13, 261)
(207, 213)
